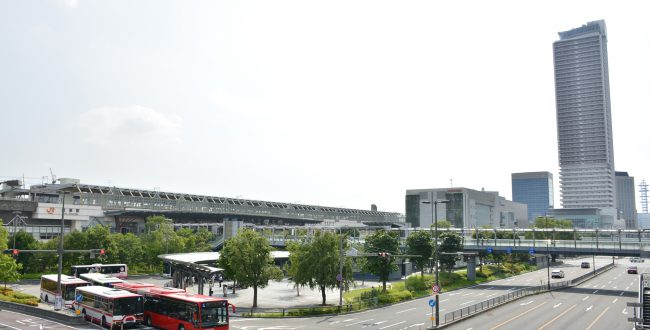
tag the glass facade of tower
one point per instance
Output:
(584, 123)
(625, 199)
(534, 189)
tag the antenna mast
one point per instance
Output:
(644, 196)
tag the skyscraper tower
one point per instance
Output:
(584, 120)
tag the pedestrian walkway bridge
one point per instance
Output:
(605, 242)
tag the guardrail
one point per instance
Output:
(510, 296)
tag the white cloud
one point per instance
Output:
(107, 125)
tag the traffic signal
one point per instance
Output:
(95, 252)
(14, 252)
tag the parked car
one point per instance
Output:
(557, 273)
(585, 264)
(632, 270)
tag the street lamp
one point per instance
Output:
(58, 300)
(548, 266)
(434, 210)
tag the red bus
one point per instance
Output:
(135, 287)
(109, 307)
(174, 309)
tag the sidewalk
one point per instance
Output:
(281, 294)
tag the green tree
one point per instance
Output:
(451, 243)
(322, 261)
(9, 269)
(125, 248)
(419, 243)
(247, 259)
(196, 240)
(442, 224)
(30, 261)
(159, 238)
(381, 241)
(297, 252)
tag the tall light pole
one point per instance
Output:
(59, 295)
(548, 266)
(58, 300)
(434, 215)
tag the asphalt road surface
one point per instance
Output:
(416, 314)
(599, 303)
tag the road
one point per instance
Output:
(599, 303)
(415, 314)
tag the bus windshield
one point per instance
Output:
(127, 306)
(214, 313)
(68, 291)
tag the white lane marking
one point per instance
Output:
(8, 326)
(494, 294)
(347, 325)
(388, 326)
(609, 282)
(480, 294)
(627, 287)
(335, 322)
(614, 287)
(380, 322)
(20, 322)
(467, 294)
(589, 308)
(613, 302)
(585, 298)
(406, 310)
(602, 286)
(416, 325)
(556, 306)
(624, 311)
(490, 288)
(468, 302)
(526, 303)
(348, 320)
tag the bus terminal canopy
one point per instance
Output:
(197, 266)
(194, 263)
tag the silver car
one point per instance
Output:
(557, 273)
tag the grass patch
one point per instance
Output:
(18, 297)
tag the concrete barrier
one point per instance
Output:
(43, 313)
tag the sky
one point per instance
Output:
(334, 103)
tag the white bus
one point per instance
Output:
(109, 307)
(100, 279)
(117, 270)
(49, 286)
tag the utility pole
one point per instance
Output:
(340, 276)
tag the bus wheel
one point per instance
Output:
(104, 325)
(83, 313)
(181, 327)
(147, 320)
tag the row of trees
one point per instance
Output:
(140, 252)
(316, 261)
